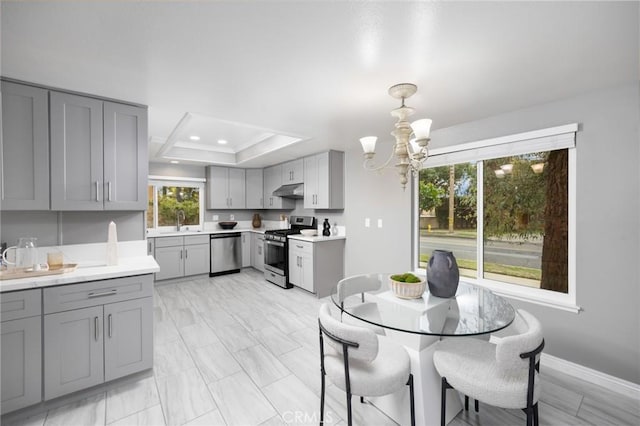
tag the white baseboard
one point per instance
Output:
(590, 375)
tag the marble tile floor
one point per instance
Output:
(236, 350)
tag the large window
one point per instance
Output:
(506, 218)
(171, 200)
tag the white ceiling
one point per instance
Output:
(317, 70)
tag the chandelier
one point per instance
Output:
(412, 139)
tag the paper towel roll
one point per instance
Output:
(112, 245)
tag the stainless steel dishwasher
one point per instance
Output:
(226, 253)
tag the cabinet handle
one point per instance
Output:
(180, 254)
(109, 191)
(186, 253)
(97, 190)
(104, 293)
(149, 245)
(260, 251)
(261, 202)
(96, 325)
(110, 325)
(230, 201)
(299, 246)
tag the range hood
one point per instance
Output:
(295, 190)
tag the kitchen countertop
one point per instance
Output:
(317, 238)
(127, 266)
(209, 232)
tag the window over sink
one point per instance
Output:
(168, 199)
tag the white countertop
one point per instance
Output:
(92, 265)
(155, 234)
(317, 238)
(126, 267)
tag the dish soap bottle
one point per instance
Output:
(326, 228)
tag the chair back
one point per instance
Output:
(362, 342)
(358, 284)
(528, 339)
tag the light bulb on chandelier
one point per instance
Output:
(412, 140)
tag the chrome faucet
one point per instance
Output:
(179, 213)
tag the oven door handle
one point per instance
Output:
(274, 243)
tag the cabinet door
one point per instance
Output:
(272, 181)
(295, 271)
(306, 272)
(76, 152)
(21, 374)
(254, 184)
(237, 189)
(128, 337)
(246, 249)
(292, 172)
(217, 187)
(310, 182)
(196, 259)
(125, 157)
(24, 157)
(257, 252)
(73, 351)
(170, 260)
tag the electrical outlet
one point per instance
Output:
(215, 217)
(231, 217)
(379, 223)
(367, 222)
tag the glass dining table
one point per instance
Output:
(419, 324)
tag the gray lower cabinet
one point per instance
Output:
(98, 154)
(246, 249)
(257, 251)
(74, 350)
(21, 350)
(316, 267)
(182, 256)
(24, 158)
(96, 332)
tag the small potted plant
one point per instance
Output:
(407, 285)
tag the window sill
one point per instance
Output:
(551, 301)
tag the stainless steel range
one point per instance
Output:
(276, 249)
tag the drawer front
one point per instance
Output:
(169, 241)
(20, 304)
(301, 246)
(196, 239)
(94, 293)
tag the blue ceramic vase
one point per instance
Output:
(443, 274)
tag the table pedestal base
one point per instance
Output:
(426, 383)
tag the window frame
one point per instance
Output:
(157, 181)
(564, 301)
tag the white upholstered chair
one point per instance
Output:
(360, 362)
(503, 375)
(361, 284)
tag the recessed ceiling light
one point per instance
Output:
(194, 138)
(222, 142)
(174, 161)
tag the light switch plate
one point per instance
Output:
(215, 217)
(379, 223)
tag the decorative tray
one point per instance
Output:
(12, 274)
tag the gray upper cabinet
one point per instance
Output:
(24, 156)
(292, 172)
(126, 163)
(254, 188)
(76, 152)
(273, 181)
(98, 154)
(225, 188)
(324, 181)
